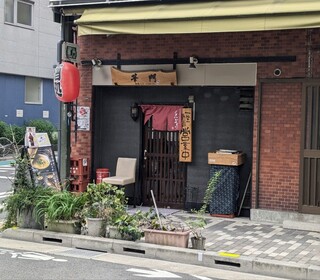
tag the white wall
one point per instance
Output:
(30, 52)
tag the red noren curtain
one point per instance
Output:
(165, 117)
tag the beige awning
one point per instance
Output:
(205, 17)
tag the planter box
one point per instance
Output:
(168, 238)
(25, 219)
(72, 226)
(113, 233)
(226, 159)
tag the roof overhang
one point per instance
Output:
(201, 17)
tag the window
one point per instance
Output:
(18, 12)
(33, 91)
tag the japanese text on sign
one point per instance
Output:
(185, 141)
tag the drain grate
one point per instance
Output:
(49, 239)
(134, 250)
(227, 263)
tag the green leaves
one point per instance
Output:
(62, 205)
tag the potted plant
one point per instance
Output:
(20, 207)
(163, 231)
(127, 226)
(104, 204)
(61, 210)
(197, 223)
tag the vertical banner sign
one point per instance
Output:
(185, 140)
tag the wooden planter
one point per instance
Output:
(168, 238)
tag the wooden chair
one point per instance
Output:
(125, 175)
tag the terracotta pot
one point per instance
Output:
(169, 238)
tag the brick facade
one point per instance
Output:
(281, 102)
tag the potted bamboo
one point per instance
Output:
(198, 223)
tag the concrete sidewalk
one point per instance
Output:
(234, 244)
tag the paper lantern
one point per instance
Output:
(66, 82)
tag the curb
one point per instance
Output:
(167, 253)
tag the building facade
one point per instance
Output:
(273, 68)
(29, 37)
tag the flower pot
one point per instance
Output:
(25, 219)
(169, 238)
(96, 227)
(198, 243)
(113, 232)
(72, 226)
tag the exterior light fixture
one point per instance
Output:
(96, 62)
(193, 62)
(193, 103)
(134, 111)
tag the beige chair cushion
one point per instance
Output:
(125, 172)
(116, 180)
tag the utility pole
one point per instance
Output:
(65, 120)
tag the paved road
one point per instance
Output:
(6, 177)
(27, 260)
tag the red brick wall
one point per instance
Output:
(280, 146)
(280, 130)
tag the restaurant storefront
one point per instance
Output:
(255, 90)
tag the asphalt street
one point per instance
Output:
(26, 260)
(6, 177)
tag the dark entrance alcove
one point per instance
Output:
(223, 120)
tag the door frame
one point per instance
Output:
(307, 153)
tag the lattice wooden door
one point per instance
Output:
(162, 171)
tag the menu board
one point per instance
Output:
(43, 164)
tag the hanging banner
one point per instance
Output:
(143, 78)
(185, 139)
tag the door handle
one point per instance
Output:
(144, 154)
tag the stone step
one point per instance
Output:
(309, 226)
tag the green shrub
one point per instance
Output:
(22, 199)
(16, 132)
(62, 205)
(45, 126)
(3, 129)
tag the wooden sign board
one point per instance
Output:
(143, 78)
(185, 139)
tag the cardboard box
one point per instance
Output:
(226, 159)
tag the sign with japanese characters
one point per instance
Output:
(185, 140)
(143, 78)
(83, 118)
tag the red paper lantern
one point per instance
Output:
(66, 82)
